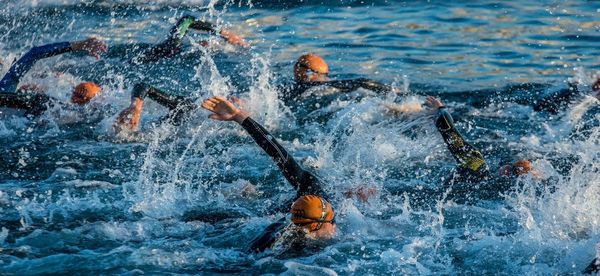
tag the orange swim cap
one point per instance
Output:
(84, 92)
(311, 211)
(521, 167)
(309, 62)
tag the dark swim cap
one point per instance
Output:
(596, 85)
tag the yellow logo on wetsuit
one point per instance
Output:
(473, 163)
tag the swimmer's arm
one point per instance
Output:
(465, 154)
(129, 118)
(351, 85)
(143, 91)
(374, 86)
(178, 106)
(204, 26)
(268, 236)
(302, 181)
(209, 27)
(553, 103)
(91, 45)
(593, 267)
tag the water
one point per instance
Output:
(75, 198)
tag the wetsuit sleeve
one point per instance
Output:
(178, 106)
(204, 26)
(557, 101)
(168, 48)
(593, 267)
(303, 181)
(351, 85)
(172, 45)
(467, 156)
(268, 236)
(33, 103)
(9, 82)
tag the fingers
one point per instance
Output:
(428, 101)
(103, 47)
(208, 105)
(235, 100)
(220, 99)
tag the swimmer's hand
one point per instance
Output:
(129, 118)
(92, 46)
(233, 39)
(433, 102)
(224, 110)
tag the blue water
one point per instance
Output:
(76, 198)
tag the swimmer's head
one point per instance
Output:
(596, 85)
(310, 68)
(314, 214)
(84, 92)
(521, 167)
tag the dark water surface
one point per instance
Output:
(76, 198)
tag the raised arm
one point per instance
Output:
(172, 45)
(179, 107)
(9, 82)
(302, 180)
(467, 156)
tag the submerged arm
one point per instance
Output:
(172, 45)
(558, 100)
(351, 85)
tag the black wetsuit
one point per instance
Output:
(594, 267)
(304, 182)
(32, 103)
(297, 90)
(172, 45)
(179, 107)
(471, 165)
(559, 100)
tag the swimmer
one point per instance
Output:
(471, 167)
(311, 70)
(29, 97)
(172, 45)
(129, 118)
(312, 217)
(558, 101)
